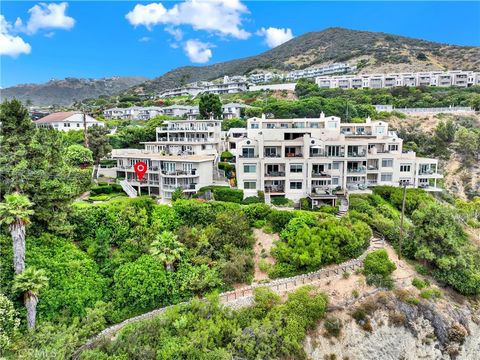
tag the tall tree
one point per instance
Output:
(98, 142)
(16, 132)
(32, 163)
(30, 283)
(210, 105)
(15, 212)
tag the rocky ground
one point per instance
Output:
(398, 324)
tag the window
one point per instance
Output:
(248, 152)
(380, 130)
(405, 168)
(295, 185)
(335, 181)
(333, 150)
(387, 163)
(78, 125)
(393, 147)
(249, 184)
(254, 126)
(386, 177)
(284, 125)
(335, 165)
(270, 126)
(296, 168)
(249, 168)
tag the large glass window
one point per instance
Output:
(405, 168)
(386, 177)
(296, 168)
(248, 152)
(387, 163)
(295, 185)
(249, 168)
(249, 184)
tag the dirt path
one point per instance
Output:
(263, 245)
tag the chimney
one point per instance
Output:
(322, 115)
(263, 116)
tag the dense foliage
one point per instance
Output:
(433, 235)
(312, 240)
(377, 268)
(207, 330)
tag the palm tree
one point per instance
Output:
(167, 249)
(15, 212)
(30, 282)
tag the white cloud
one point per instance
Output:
(275, 36)
(145, 39)
(219, 16)
(11, 45)
(46, 16)
(197, 51)
(175, 32)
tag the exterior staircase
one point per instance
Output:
(129, 190)
(343, 208)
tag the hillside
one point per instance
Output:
(379, 52)
(65, 92)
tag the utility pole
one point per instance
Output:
(401, 220)
(85, 132)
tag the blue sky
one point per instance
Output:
(98, 39)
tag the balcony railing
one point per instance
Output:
(274, 189)
(188, 140)
(181, 186)
(275, 173)
(250, 156)
(293, 155)
(179, 173)
(320, 174)
(427, 172)
(272, 155)
(356, 171)
(357, 154)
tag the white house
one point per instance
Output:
(66, 121)
(233, 110)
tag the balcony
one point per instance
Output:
(187, 140)
(180, 173)
(320, 174)
(272, 155)
(275, 173)
(293, 155)
(357, 154)
(181, 186)
(248, 156)
(357, 170)
(274, 188)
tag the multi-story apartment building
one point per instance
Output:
(184, 155)
(133, 113)
(433, 78)
(147, 113)
(299, 158)
(320, 71)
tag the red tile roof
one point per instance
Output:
(56, 117)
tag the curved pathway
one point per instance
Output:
(244, 296)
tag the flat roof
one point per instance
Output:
(141, 154)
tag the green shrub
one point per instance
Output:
(422, 270)
(228, 195)
(377, 262)
(264, 265)
(432, 294)
(258, 224)
(257, 212)
(279, 219)
(281, 201)
(227, 167)
(333, 326)
(419, 283)
(252, 200)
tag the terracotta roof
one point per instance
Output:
(56, 117)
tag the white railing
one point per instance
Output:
(129, 190)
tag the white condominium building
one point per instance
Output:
(147, 113)
(433, 78)
(66, 121)
(299, 158)
(183, 156)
